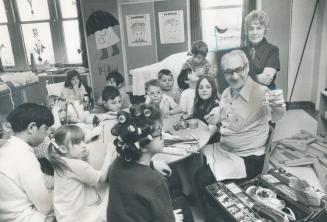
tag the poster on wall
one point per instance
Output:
(171, 25)
(138, 30)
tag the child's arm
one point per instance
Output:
(106, 165)
(81, 115)
(55, 113)
(174, 108)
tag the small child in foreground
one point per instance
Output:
(166, 80)
(155, 96)
(75, 196)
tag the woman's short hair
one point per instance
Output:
(256, 15)
(199, 47)
(69, 76)
(134, 130)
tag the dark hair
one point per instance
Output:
(27, 113)
(118, 78)
(164, 72)
(69, 76)
(182, 77)
(152, 82)
(63, 136)
(205, 106)
(109, 92)
(199, 48)
(134, 130)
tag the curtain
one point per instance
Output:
(248, 6)
(81, 31)
(196, 25)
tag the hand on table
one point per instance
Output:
(178, 214)
(162, 168)
(213, 117)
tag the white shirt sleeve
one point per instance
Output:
(84, 171)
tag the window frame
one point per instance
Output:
(232, 6)
(17, 39)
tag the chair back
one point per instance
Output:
(55, 88)
(269, 149)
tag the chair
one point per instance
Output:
(55, 88)
(269, 150)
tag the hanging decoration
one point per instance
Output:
(31, 6)
(38, 46)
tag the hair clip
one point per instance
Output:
(139, 131)
(57, 147)
(147, 113)
(137, 145)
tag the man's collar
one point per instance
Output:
(245, 91)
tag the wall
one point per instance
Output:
(319, 81)
(164, 50)
(99, 66)
(302, 11)
(278, 34)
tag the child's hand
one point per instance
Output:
(178, 214)
(162, 168)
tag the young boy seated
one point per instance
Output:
(111, 101)
(155, 96)
(187, 81)
(24, 196)
(116, 79)
(166, 80)
(198, 62)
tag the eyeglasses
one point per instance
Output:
(239, 70)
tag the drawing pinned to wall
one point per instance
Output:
(138, 30)
(100, 24)
(171, 25)
(38, 45)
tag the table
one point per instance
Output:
(202, 133)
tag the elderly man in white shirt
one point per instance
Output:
(245, 110)
(23, 194)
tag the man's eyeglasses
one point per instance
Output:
(238, 71)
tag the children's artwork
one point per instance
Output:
(105, 38)
(138, 30)
(171, 26)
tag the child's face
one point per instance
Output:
(75, 81)
(114, 104)
(193, 76)
(197, 59)
(205, 89)
(62, 113)
(78, 151)
(38, 134)
(166, 82)
(155, 94)
(111, 82)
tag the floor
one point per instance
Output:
(292, 123)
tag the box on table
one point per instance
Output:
(276, 196)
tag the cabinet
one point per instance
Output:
(322, 118)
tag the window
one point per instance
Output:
(222, 23)
(48, 29)
(6, 54)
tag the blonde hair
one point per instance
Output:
(256, 15)
(64, 137)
